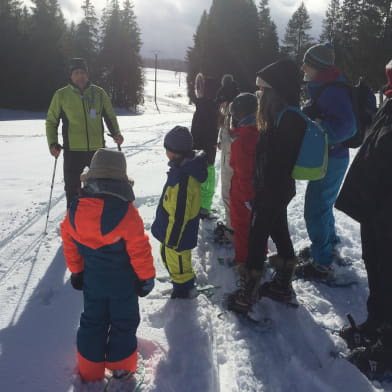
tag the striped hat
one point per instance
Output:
(320, 57)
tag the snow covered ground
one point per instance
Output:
(186, 346)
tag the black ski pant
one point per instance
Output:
(268, 220)
(377, 255)
(74, 163)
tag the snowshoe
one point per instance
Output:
(362, 335)
(321, 274)
(374, 361)
(222, 234)
(126, 381)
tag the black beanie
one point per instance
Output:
(179, 140)
(245, 103)
(284, 77)
(77, 63)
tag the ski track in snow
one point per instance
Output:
(185, 345)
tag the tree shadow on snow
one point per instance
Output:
(38, 350)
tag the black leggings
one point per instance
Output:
(74, 163)
(268, 220)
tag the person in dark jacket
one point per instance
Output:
(366, 196)
(109, 256)
(334, 112)
(205, 135)
(177, 218)
(276, 155)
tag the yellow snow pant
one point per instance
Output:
(178, 264)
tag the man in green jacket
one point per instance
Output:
(81, 106)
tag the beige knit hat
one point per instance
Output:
(108, 164)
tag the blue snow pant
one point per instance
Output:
(107, 333)
(319, 200)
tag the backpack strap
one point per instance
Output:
(293, 109)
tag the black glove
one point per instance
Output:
(144, 287)
(56, 146)
(77, 281)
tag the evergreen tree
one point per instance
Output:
(11, 47)
(331, 23)
(229, 44)
(269, 41)
(86, 38)
(47, 64)
(360, 50)
(296, 39)
(197, 53)
(120, 55)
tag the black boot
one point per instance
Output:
(280, 288)
(241, 301)
(375, 361)
(362, 335)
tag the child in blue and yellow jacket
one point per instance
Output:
(110, 259)
(177, 217)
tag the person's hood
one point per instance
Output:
(117, 188)
(195, 165)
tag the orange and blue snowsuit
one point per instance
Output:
(104, 237)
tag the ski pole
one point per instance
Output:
(50, 196)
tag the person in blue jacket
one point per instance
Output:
(177, 218)
(334, 111)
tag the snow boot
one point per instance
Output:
(362, 335)
(242, 300)
(206, 214)
(222, 234)
(375, 361)
(122, 380)
(184, 294)
(310, 270)
(280, 288)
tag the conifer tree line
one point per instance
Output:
(240, 37)
(36, 44)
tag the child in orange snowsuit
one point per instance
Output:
(110, 259)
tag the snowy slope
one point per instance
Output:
(186, 346)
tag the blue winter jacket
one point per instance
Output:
(177, 218)
(336, 114)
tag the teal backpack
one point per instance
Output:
(312, 160)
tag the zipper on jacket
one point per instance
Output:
(85, 120)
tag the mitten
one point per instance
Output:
(77, 281)
(144, 287)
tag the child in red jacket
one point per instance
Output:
(109, 255)
(242, 157)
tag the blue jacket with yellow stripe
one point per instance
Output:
(177, 218)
